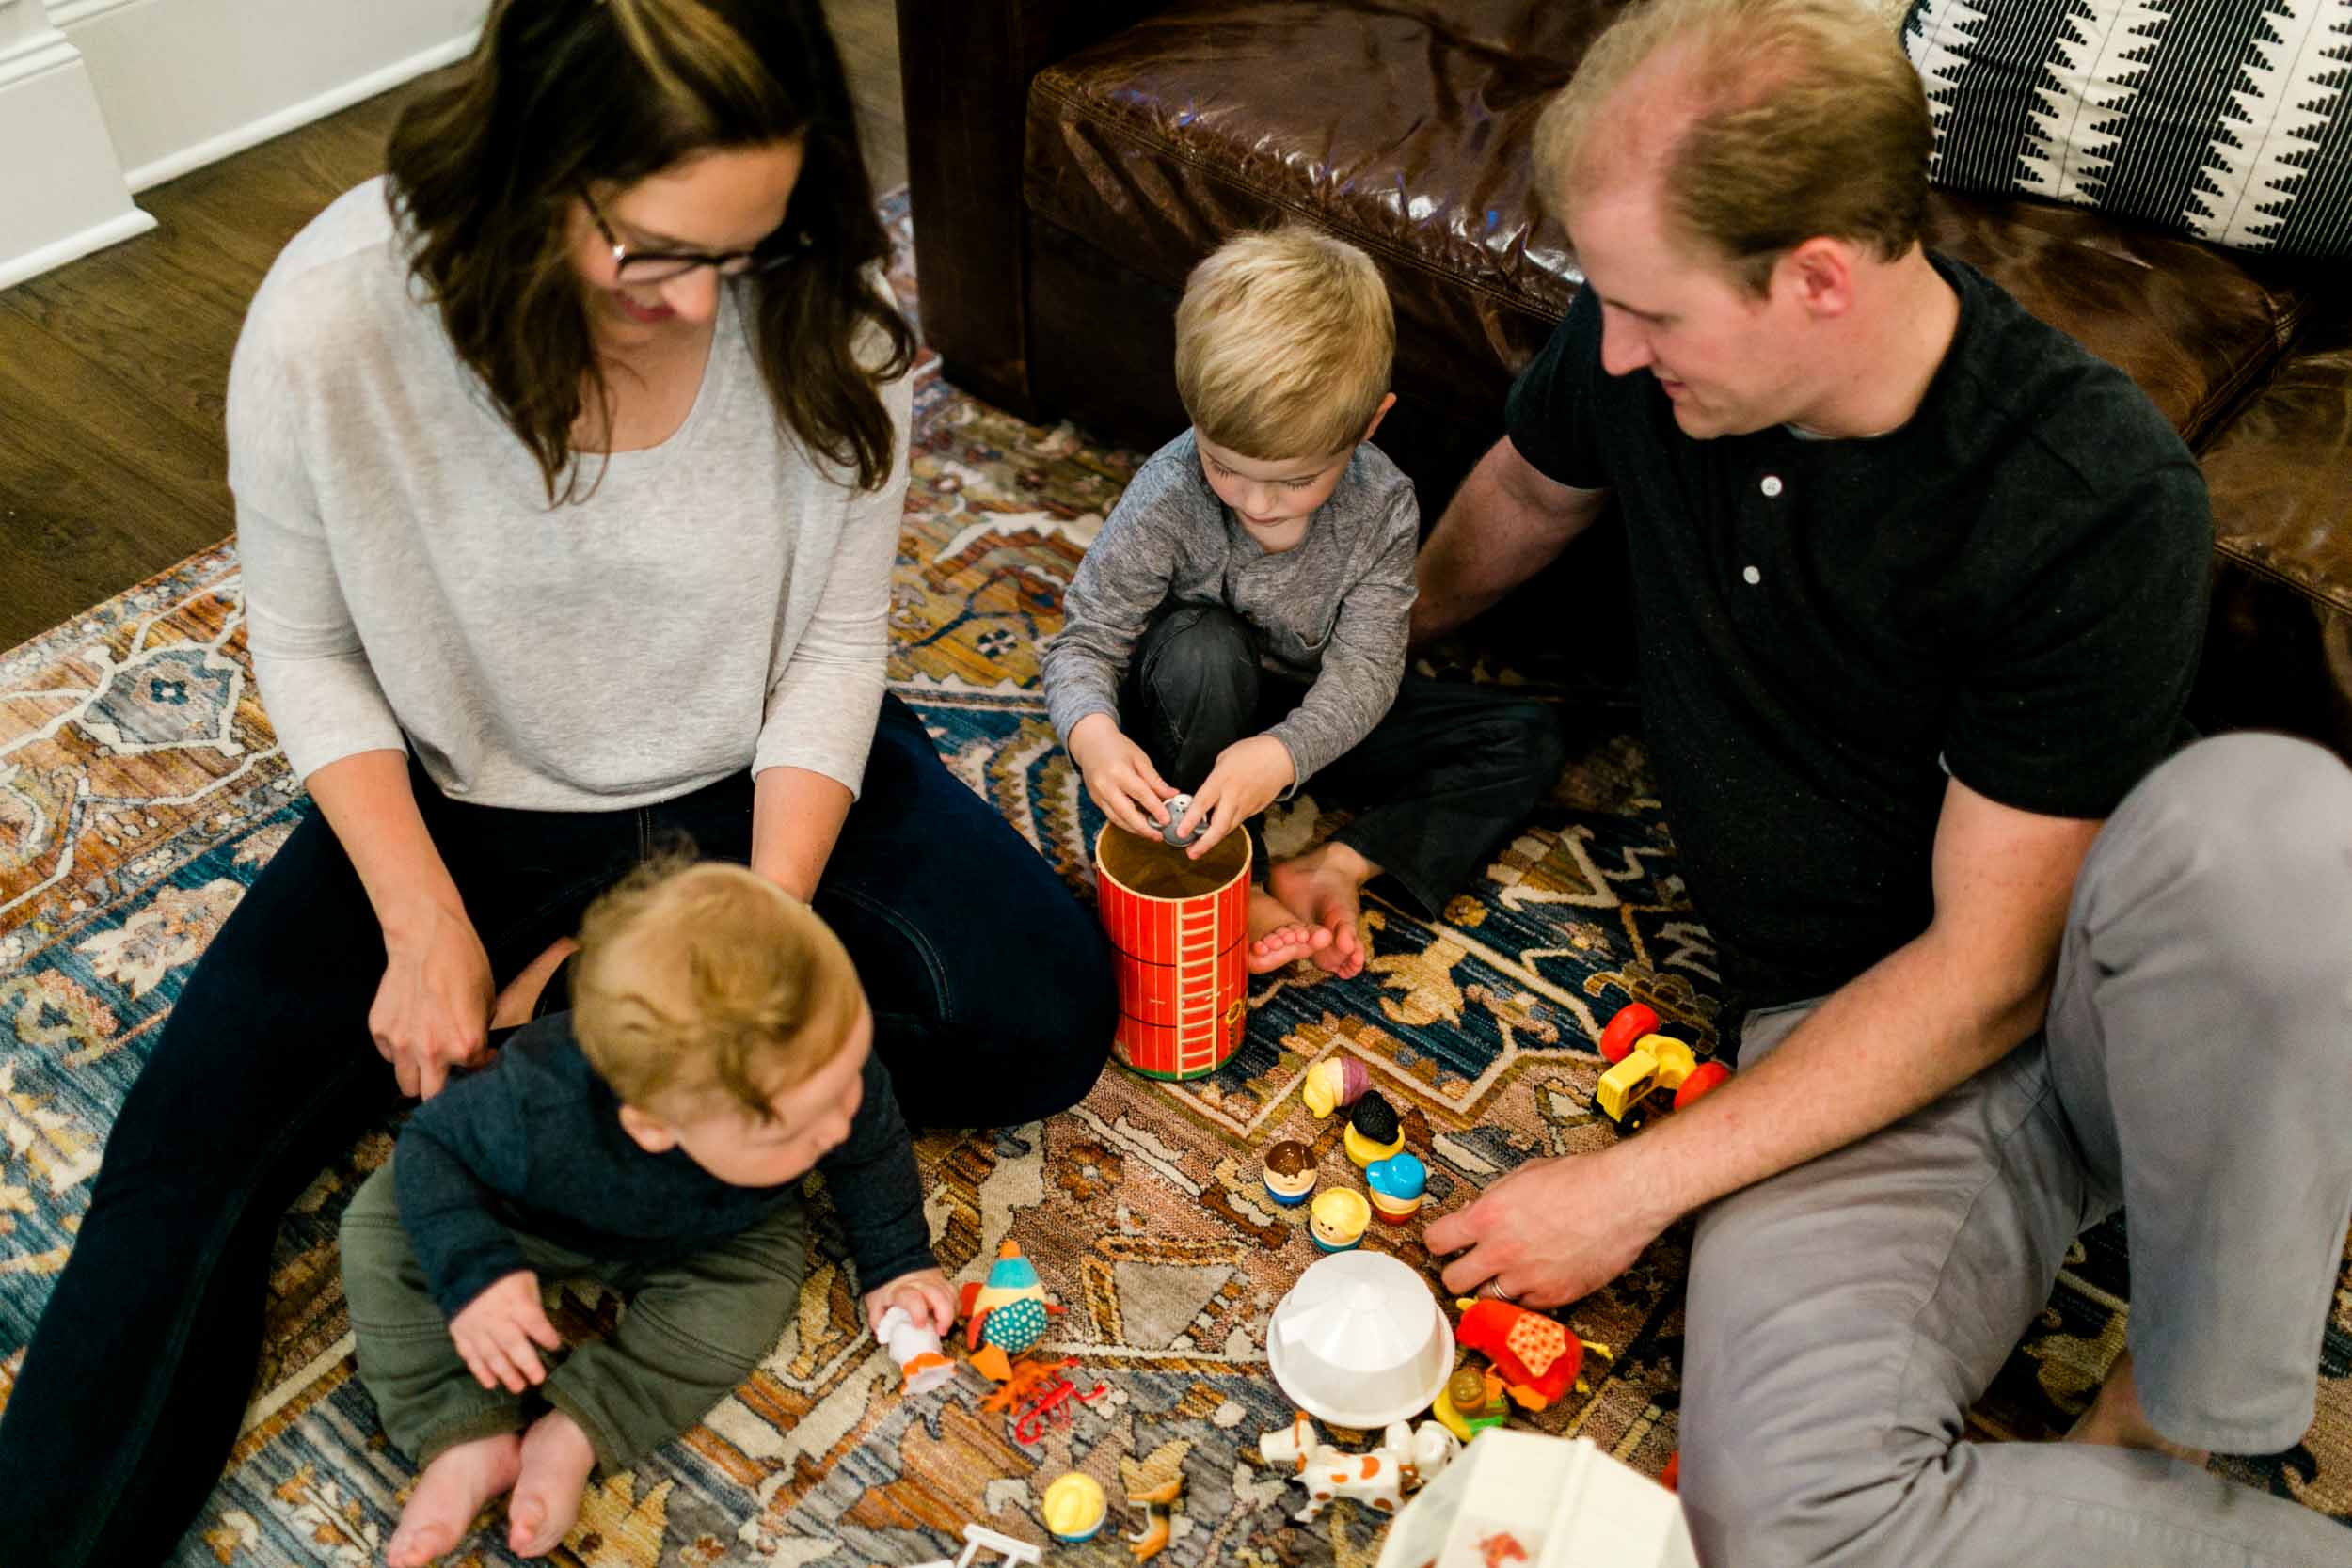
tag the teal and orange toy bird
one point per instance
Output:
(1006, 1313)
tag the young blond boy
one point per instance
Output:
(719, 1047)
(1239, 625)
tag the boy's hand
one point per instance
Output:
(1247, 776)
(924, 1295)
(1119, 775)
(494, 1332)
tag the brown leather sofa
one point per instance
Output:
(1072, 159)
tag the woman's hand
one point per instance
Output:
(432, 1011)
(1247, 776)
(1119, 775)
(496, 1330)
(924, 1295)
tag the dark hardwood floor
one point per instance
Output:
(114, 369)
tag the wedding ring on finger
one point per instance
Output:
(1494, 1288)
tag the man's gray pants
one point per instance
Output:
(2195, 1069)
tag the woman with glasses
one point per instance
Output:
(568, 461)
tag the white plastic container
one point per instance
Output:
(1360, 1341)
(1530, 1501)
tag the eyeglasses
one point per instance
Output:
(777, 251)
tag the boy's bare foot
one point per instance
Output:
(2116, 1419)
(447, 1496)
(1276, 935)
(557, 1457)
(1325, 887)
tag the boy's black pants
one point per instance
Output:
(1449, 772)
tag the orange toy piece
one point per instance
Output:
(1537, 1357)
(1703, 1077)
(1023, 1379)
(1159, 1504)
(1631, 1023)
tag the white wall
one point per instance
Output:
(101, 98)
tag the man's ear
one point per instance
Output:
(1378, 414)
(654, 1137)
(1821, 272)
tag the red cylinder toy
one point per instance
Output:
(1180, 935)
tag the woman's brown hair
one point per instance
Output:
(561, 93)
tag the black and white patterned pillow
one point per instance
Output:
(2231, 120)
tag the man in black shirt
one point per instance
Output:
(1920, 586)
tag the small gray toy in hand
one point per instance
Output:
(1177, 805)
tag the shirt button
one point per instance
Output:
(1753, 576)
(1771, 487)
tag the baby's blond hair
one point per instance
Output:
(1283, 344)
(704, 980)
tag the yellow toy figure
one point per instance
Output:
(1006, 1313)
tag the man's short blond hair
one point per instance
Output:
(1283, 344)
(1778, 121)
(704, 981)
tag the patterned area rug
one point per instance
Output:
(141, 791)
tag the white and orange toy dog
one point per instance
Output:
(1406, 1459)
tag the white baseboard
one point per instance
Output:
(16, 269)
(237, 139)
(61, 188)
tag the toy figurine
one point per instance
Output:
(1290, 1172)
(916, 1348)
(1007, 1314)
(1073, 1507)
(1337, 1221)
(1334, 1082)
(1471, 1403)
(1538, 1358)
(1373, 1132)
(1406, 1458)
(1398, 1185)
(1177, 805)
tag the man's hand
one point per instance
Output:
(1551, 1232)
(432, 1010)
(1119, 775)
(1247, 776)
(496, 1330)
(924, 1295)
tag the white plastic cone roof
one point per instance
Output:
(1360, 1327)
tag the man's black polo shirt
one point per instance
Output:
(2010, 587)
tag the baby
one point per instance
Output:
(653, 1138)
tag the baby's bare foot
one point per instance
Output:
(556, 1459)
(2116, 1419)
(448, 1494)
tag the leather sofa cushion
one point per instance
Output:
(1406, 128)
(2281, 475)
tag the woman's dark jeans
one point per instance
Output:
(993, 1001)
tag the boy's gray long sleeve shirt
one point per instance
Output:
(1331, 612)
